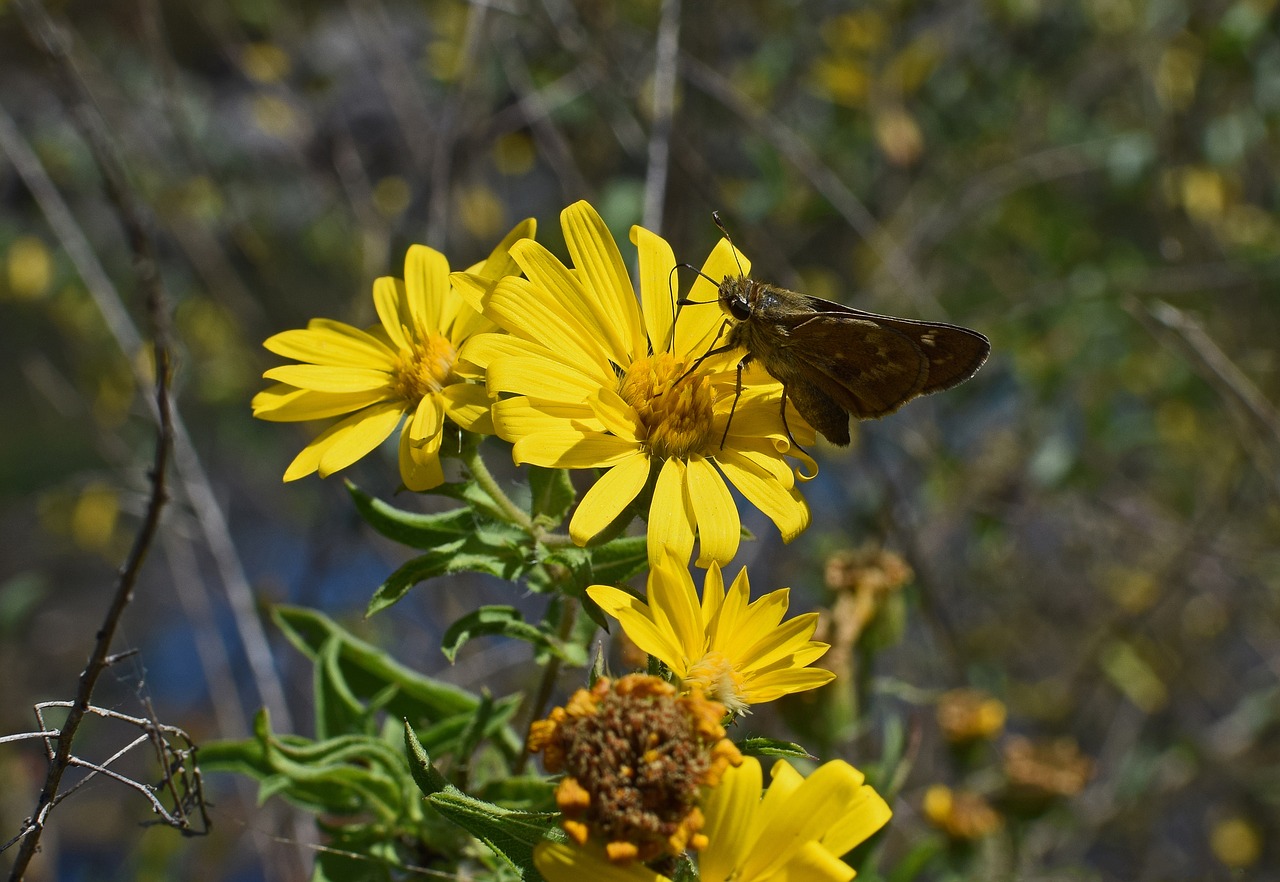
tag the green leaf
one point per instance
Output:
(771, 747)
(368, 674)
(616, 562)
(489, 620)
(414, 529)
(511, 834)
(551, 495)
(338, 710)
(495, 549)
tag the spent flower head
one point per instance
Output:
(406, 368)
(734, 650)
(635, 758)
(595, 379)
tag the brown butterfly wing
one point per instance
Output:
(867, 368)
(953, 353)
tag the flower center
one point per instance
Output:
(675, 409)
(425, 367)
(635, 758)
(715, 676)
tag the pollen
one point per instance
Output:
(674, 405)
(425, 368)
(715, 676)
(636, 757)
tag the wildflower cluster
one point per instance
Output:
(567, 365)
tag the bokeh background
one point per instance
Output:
(1093, 521)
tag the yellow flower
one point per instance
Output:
(603, 381)
(798, 831)
(736, 652)
(405, 367)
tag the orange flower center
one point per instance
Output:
(426, 367)
(675, 408)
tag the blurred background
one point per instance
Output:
(1092, 521)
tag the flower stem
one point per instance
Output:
(480, 472)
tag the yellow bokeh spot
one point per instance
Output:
(391, 196)
(898, 136)
(514, 154)
(1203, 194)
(265, 62)
(481, 211)
(275, 116)
(94, 516)
(30, 268)
(1132, 589)
(1113, 16)
(1178, 72)
(1249, 225)
(844, 80)
(1236, 842)
(910, 68)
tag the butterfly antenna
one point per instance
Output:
(715, 216)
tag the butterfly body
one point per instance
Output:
(835, 362)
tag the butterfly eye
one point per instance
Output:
(739, 308)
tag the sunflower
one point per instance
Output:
(405, 368)
(734, 651)
(599, 380)
(798, 830)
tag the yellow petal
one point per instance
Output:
(730, 809)
(862, 817)
(468, 405)
(484, 349)
(782, 640)
(804, 815)
(719, 528)
(389, 301)
(352, 438)
(499, 262)
(355, 436)
(606, 499)
(570, 449)
(671, 518)
(321, 346)
(563, 862)
(426, 285)
(419, 470)
(784, 507)
(598, 263)
(472, 288)
(324, 378)
(427, 421)
(676, 610)
(516, 418)
(637, 621)
(616, 415)
(542, 316)
(283, 403)
(772, 686)
(657, 287)
(813, 863)
(540, 378)
(698, 325)
(713, 593)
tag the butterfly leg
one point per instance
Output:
(746, 359)
(790, 437)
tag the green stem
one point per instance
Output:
(475, 464)
(480, 472)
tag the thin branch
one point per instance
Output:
(38, 24)
(665, 66)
